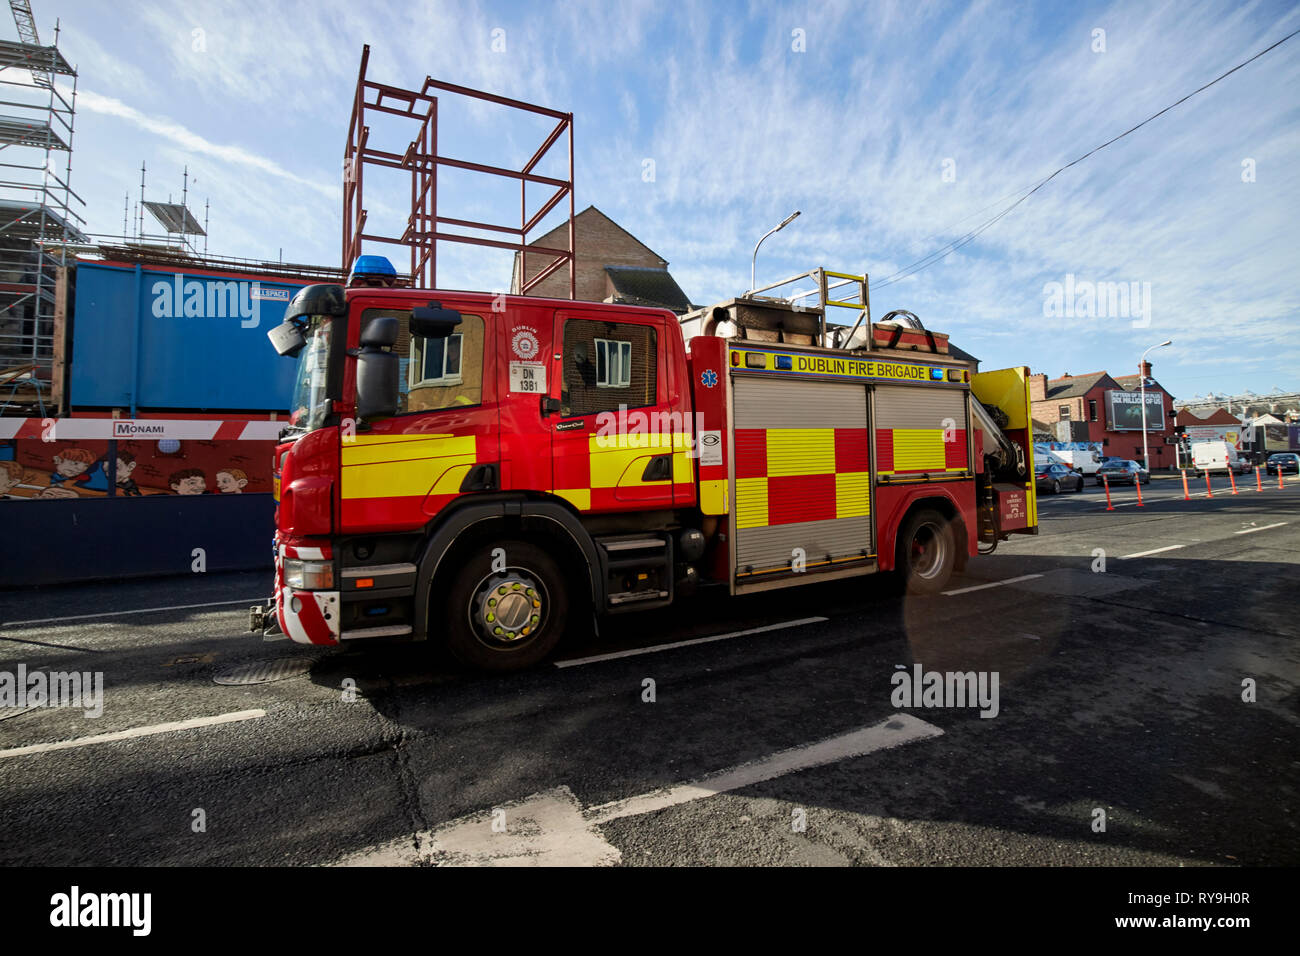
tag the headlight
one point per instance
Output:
(308, 575)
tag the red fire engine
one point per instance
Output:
(482, 470)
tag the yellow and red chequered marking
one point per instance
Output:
(389, 479)
(793, 475)
(608, 477)
(902, 451)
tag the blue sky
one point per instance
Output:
(856, 129)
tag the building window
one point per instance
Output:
(1063, 412)
(613, 364)
(435, 361)
(1092, 410)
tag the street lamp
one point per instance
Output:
(754, 261)
(1142, 387)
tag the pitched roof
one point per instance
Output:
(962, 354)
(590, 210)
(639, 285)
(1130, 383)
(1218, 417)
(1072, 386)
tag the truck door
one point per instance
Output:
(444, 440)
(612, 438)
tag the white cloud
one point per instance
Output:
(190, 141)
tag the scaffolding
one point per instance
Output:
(38, 213)
(419, 157)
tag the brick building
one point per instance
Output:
(611, 265)
(1099, 408)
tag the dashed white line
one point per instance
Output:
(994, 584)
(699, 640)
(1263, 527)
(167, 728)
(1143, 554)
(141, 610)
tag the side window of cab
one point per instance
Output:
(437, 373)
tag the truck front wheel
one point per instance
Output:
(507, 608)
(927, 550)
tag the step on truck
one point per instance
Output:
(484, 470)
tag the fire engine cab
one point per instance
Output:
(482, 470)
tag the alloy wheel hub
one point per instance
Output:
(508, 607)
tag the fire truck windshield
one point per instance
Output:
(311, 399)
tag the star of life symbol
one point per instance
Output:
(709, 378)
(524, 344)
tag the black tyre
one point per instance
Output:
(926, 553)
(1079, 487)
(1056, 486)
(509, 618)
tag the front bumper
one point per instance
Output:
(304, 617)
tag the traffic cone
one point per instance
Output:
(1233, 478)
(1259, 480)
(1209, 492)
(1187, 495)
(1138, 485)
(1106, 481)
(1279, 476)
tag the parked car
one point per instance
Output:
(1122, 471)
(1284, 462)
(1056, 476)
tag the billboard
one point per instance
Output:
(1124, 410)
(1232, 434)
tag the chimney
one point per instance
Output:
(1145, 370)
(1038, 387)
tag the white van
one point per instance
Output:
(1084, 462)
(1218, 456)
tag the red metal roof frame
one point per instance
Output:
(421, 159)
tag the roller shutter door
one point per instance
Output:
(920, 430)
(802, 460)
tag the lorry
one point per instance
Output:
(1218, 456)
(481, 470)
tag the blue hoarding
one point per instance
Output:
(150, 338)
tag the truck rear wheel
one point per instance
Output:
(927, 550)
(507, 618)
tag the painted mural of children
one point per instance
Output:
(11, 474)
(232, 481)
(125, 483)
(188, 481)
(71, 464)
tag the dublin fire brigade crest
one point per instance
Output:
(524, 344)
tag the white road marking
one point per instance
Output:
(142, 610)
(1264, 527)
(994, 584)
(552, 829)
(167, 728)
(699, 640)
(1143, 554)
(901, 729)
